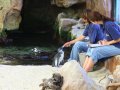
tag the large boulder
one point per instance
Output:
(10, 14)
(64, 27)
(69, 28)
(66, 23)
(75, 78)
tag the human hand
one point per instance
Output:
(104, 42)
(67, 44)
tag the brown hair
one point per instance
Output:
(85, 14)
(96, 16)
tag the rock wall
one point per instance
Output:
(66, 3)
(10, 14)
(103, 6)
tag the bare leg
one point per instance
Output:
(86, 62)
(89, 65)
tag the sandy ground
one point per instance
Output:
(23, 77)
(29, 77)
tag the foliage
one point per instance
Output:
(3, 34)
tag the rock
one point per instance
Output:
(60, 16)
(75, 78)
(113, 86)
(10, 14)
(66, 3)
(112, 63)
(53, 83)
(115, 83)
(82, 57)
(64, 28)
(116, 73)
(65, 23)
(78, 29)
(103, 6)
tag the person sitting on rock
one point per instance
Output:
(93, 31)
(110, 45)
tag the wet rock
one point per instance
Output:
(6, 42)
(53, 83)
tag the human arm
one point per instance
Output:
(80, 38)
(105, 42)
(113, 31)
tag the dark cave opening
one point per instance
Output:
(36, 30)
(37, 16)
(38, 20)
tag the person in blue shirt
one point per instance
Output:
(110, 44)
(93, 31)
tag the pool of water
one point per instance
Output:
(26, 55)
(28, 48)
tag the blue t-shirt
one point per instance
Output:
(94, 32)
(112, 31)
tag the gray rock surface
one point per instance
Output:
(66, 3)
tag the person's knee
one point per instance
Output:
(79, 44)
(96, 51)
(96, 54)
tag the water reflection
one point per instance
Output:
(30, 55)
